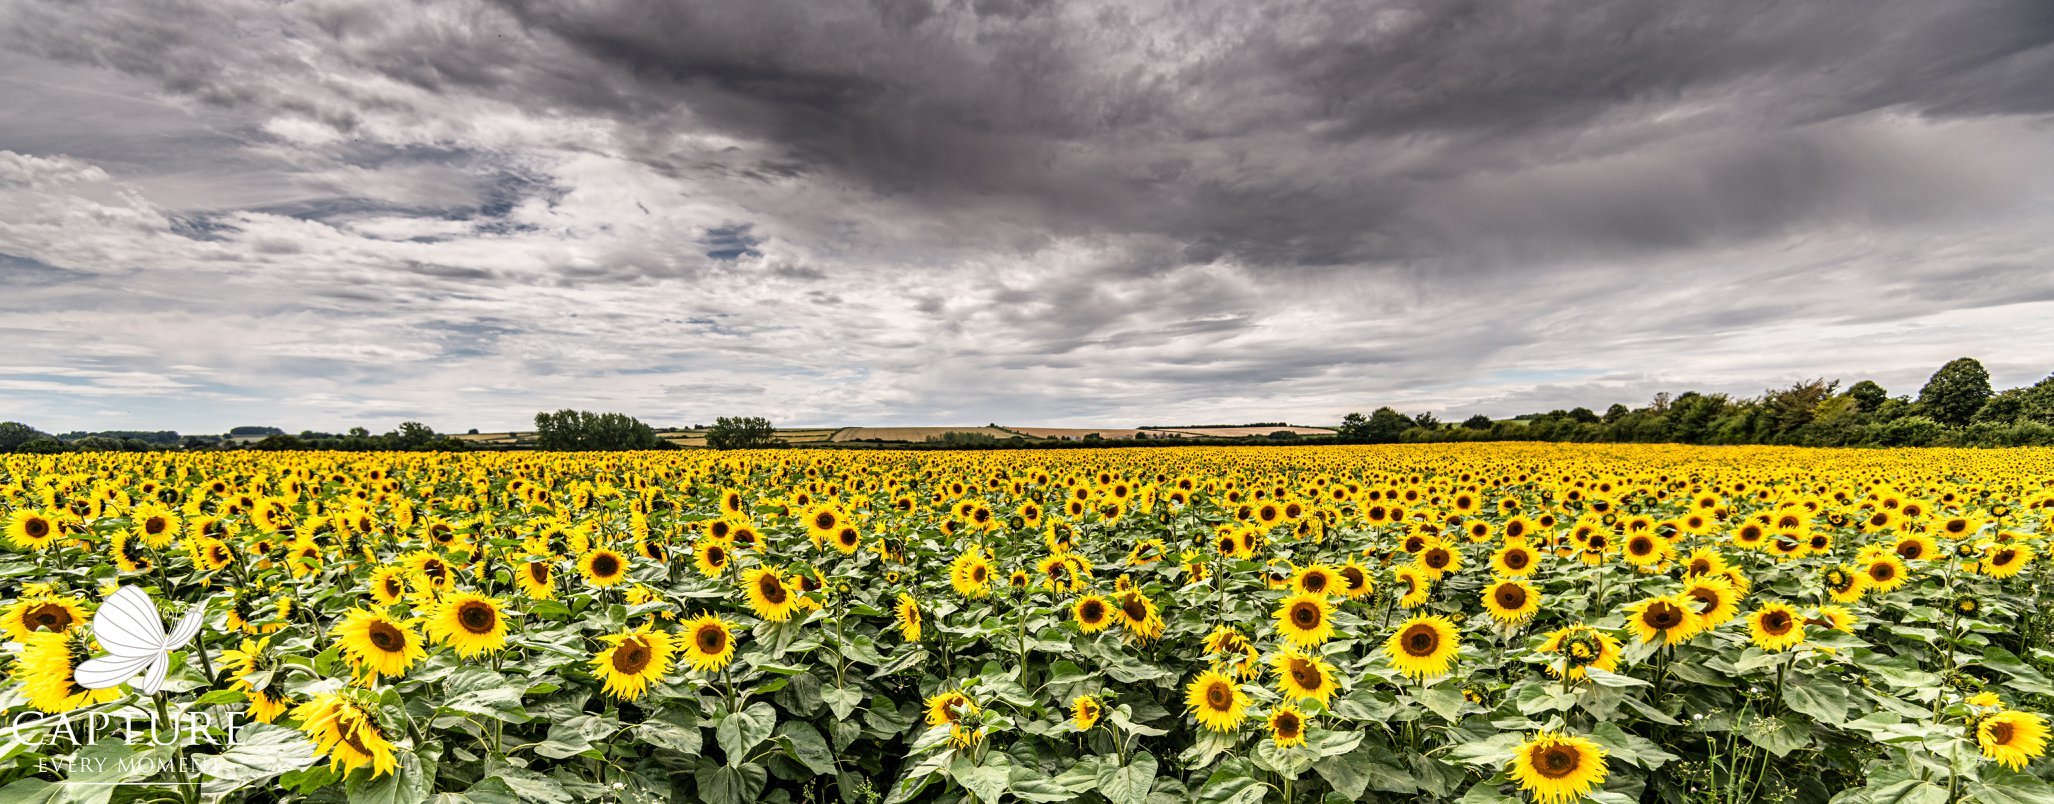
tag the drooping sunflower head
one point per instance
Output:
(949, 708)
(1085, 710)
(907, 612)
(377, 645)
(768, 593)
(1557, 768)
(44, 612)
(348, 733)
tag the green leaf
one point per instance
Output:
(477, 690)
(672, 730)
(1490, 752)
(729, 784)
(987, 781)
(1443, 701)
(492, 791)
(98, 769)
(804, 743)
(410, 783)
(260, 752)
(2013, 788)
(1028, 784)
(1909, 791)
(1826, 701)
(1129, 783)
(2023, 676)
(1225, 787)
(32, 791)
(843, 700)
(1608, 679)
(1778, 735)
(740, 731)
(1631, 748)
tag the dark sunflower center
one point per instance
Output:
(1556, 761)
(1092, 611)
(1437, 558)
(1305, 615)
(1510, 597)
(1219, 696)
(979, 573)
(1305, 675)
(2001, 733)
(1641, 546)
(1777, 623)
(392, 587)
(539, 572)
(1420, 640)
(155, 525)
(477, 617)
(1709, 598)
(386, 638)
(605, 565)
(772, 590)
(48, 617)
(711, 639)
(823, 521)
(1910, 550)
(1315, 582)
(1287, 725)
(1134, 608)
(1516, 559)
(2004, 556)
(1882, 572)
(631, 657)
(1662, 615)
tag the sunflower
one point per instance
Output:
(1225, 639)
(1511, 601)
(1093, 613)
(1557, 768)
(908, 613)
(1515, 560)
(2005, 560)
(822, 522)
(1139, 615)
(2012, 738)
(1581, 647)
(1416, 585)
(1645, 550)
(1287, 726)
(970, 574)
(1306, 619)
(1318, 579)
(949, 708)
(30, 529)
(1218, 703)
(378, 646)
(846, 540)
(769, 594)
(1301, 676)
(632, 661)
(1437, 560)
(155, 525)
(254, 658)
(709, 642)
(1886, 572)
(1085, 710)
(1355, 580)
(468, 622)
(42, 612)
(710, 556)
(46, 669)
(1776, 626)
(603, 568)
(1843, 583)
(1716, 601)
(347, 733)
(1423, 646)
(537, 578)
(1838, 618)
(1670, 618)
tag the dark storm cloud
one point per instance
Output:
(837, 211)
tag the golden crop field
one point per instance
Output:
(1483, 623)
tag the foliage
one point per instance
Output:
(1877, 701)
(1956, 391)
(584, 430)
(741, 432)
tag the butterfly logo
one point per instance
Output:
(129, 627)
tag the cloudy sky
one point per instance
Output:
(329, 213)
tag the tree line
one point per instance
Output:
(1956, 407)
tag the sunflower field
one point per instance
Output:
(1477, 623)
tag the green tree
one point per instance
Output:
(584, 430)
(13, 435)
(1868, 396)
(741, 432)
(1956, 391)
(1477, 422)
(1383, 426)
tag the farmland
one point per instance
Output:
(1482, 622)
(813, 436)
